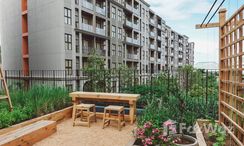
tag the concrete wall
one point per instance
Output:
(11, 34)
(46, 34)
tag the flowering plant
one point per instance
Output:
(150, 135)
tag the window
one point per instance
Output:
(76, 17)
(67, 16)
(68, 67)
(77, 2)
(119, 15)
(77, 43)
(113, 50)
(119, 33)
(120, 50)
(113, 12)
(113, 31)
(68, 41)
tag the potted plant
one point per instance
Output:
(150, 135)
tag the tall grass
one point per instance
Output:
(37, 101)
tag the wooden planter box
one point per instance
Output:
(57, 116)
(201, 136)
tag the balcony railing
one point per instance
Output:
(87, 4)
(137, 42)
(152, 46)
(180, 56)
(128, 23)
(159, 26)
(136, 26)
(152, 34)
(172, 54)
(86, 50)
(152, 21)
(159, 37)
(129, 40)
(101, 10)
(152, 59)
(100, 31)
(87, 27)
(132, 56)
(129, 7)
(159, 48)
(101, 52)
(136, 11)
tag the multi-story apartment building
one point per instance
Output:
(61, 34)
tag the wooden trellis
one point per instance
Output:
(231, 67)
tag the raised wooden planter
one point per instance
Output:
(57, 116)
(201, 136)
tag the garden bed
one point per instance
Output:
(202, 135)
(57, 116)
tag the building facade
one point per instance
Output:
(61, 34)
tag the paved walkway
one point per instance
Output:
(67, 135)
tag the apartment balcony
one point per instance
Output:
(137, 42)
(172, 54)
(132, 56)
(101, 11)
(87, 4)
(152, 34)
(86, 50)
(180, 49)
(129, 40)
(159, 37)
(101, 52)
(87, 27)
(180, 56)
(129, 7)
(152, 59)
(159, 26)
(152, 21)
(100, 31)
(172, 45)
(136, 26)
(137, 12)
(152, 46)
(159, 48)
(180, 64)
(128, 23)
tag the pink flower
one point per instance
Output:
(155, 131)
(140, 132)
(148, 125)
(148, 141)
(168, 123)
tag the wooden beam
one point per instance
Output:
(210, 25)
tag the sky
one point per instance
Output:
(183, 15)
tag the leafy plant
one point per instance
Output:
(218, 134)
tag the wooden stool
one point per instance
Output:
(85, 118)
(120, 116)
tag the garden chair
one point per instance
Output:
(86, 113)
(117, 115)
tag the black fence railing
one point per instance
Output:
(191, 82)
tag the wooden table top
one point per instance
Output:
(101, 95)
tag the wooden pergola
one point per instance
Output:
(231, 83)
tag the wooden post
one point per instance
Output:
(222, 18)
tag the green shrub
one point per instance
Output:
(37, 101)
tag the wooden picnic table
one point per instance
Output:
(131, 99)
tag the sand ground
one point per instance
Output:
(67, 135)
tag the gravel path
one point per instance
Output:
(67, 135)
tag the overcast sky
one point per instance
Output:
(182, 15)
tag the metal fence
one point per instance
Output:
(188, 81)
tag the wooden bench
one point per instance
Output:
(29, 135)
